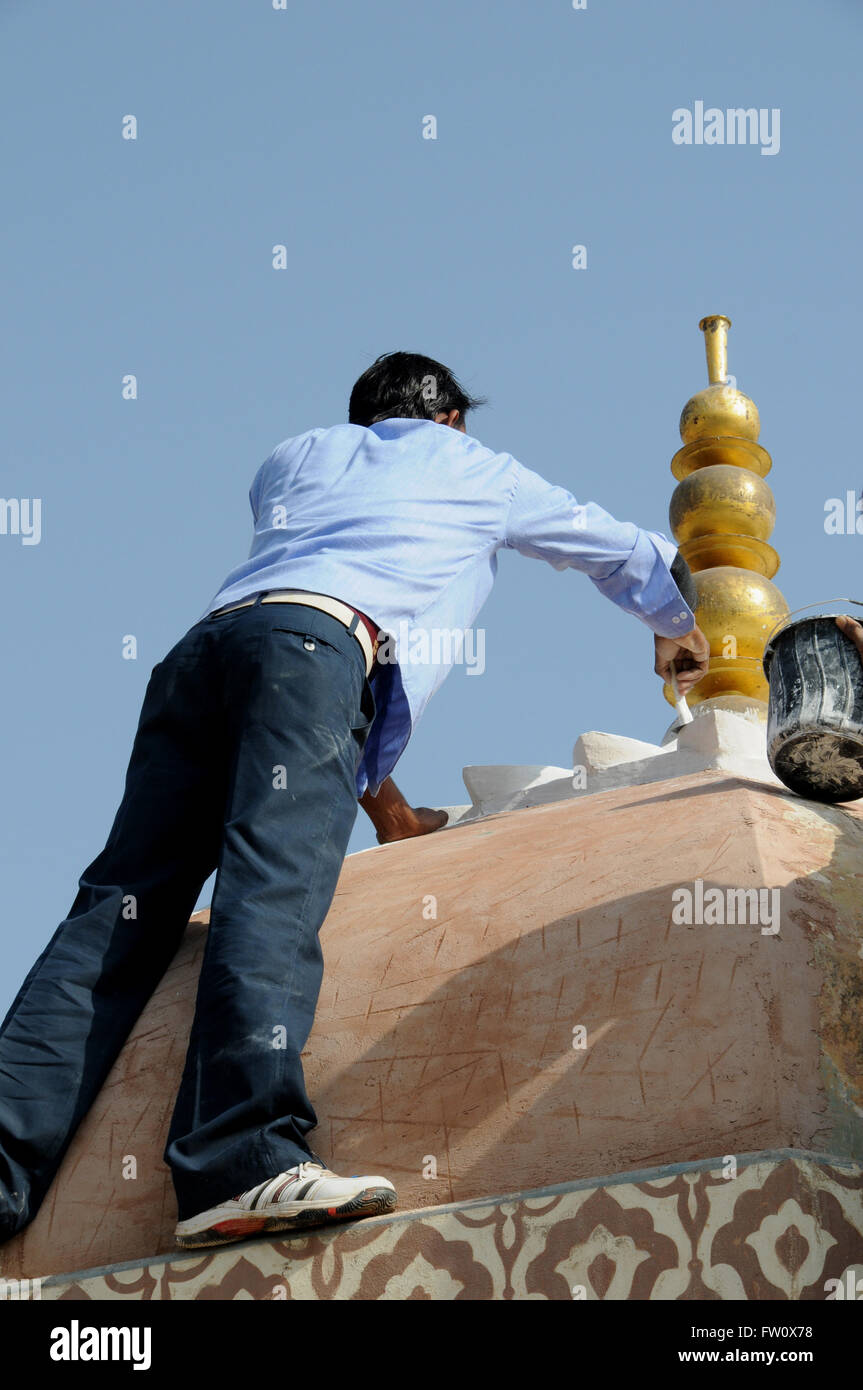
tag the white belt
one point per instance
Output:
(324, 604)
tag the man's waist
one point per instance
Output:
(359, 624)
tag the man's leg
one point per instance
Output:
(299, 710)
(82, 997)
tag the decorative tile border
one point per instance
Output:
(784, 1225)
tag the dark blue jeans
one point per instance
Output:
(244, 761)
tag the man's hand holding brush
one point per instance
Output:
(690, 653)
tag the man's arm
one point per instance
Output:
(638, 570)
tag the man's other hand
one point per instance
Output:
(395, 819)
(690, 652)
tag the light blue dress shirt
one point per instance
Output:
(404, 520)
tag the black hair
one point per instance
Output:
(410, 385)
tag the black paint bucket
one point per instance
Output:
(815, 713)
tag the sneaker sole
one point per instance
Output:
(372, 1201)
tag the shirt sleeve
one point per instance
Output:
(682, 576)
(630, 566)
(256, 490)
(280, 469)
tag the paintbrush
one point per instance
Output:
(684, 713)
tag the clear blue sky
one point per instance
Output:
(304, 127)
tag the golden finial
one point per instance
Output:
(721, 514)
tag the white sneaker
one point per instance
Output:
(308, 1195)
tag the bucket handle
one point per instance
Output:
(783, 622)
